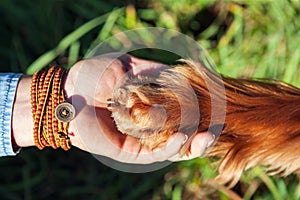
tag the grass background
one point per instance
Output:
(255, 38)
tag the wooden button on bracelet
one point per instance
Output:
(50, 112)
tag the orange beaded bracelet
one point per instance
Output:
(51, 114)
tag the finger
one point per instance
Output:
(132, 151)
(200, 142)
(141, 66)
(171, 148)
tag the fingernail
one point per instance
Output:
(186, 138)
(209, 143)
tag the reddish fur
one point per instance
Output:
(261, 123)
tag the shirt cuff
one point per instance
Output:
(8, 86)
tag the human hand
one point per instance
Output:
(89, 84)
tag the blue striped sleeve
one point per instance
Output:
(8, 86)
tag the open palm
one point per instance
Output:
(89, 84)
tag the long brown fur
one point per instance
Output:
(261, 118)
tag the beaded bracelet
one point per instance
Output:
(51, 114)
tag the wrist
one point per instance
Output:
(22, 123)
(68, 87)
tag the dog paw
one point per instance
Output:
(134, 113)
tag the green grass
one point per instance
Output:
(258, 38)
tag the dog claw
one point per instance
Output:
(109, 107)
(111, 104)
(109, 100)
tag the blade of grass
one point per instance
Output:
(73, 53)
(176, 194)
(130, 17)
(268, 61)
(110, 22)
(297, 192)
(47, 57)
(271, 186)
(251, 190)
(106, 29)
(292, 66)
(282, 188)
